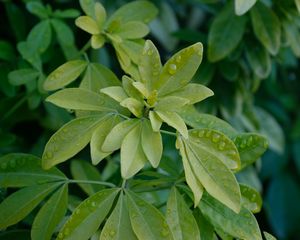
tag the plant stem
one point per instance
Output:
(124, 183)
(169, 133)
(84, 48)
(92, 182)
(15, 107)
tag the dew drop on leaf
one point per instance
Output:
(215, 137)
(201, 133)
(3, 166)
(222, 145)
(172, 68)
(249, 141)
(178, 59)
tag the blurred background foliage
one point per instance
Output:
(251, 63)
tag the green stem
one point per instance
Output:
(123, 116)
(92, 182)
(169, 133)
(84, 48)
(124, 184)
(15, 107)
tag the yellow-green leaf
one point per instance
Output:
(100, 14)
(170, 103)
(251, 199)
(118, 224)
(115, 92)
(87, 24)
(147, 222)
(151, 143)
(155, 120)
(64, 74)
(98, 137)
(81, 99)
(130, 89)
(114, 139)
(97, 41)
(193, 92)
(175, 121)
(180, 218)
(69, 140)
(133, 157)
(134, 106)
(132, 30)
(150, 65)
(179, 69)
(190, 175)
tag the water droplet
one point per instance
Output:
(201, 133)
(93, 204)
(12, 163)
(222, 145)
(67, 231)
(243, 144)
(215, 137)
(207, 134)
(178, 59)
(60, 235)
(77, 211)
(198, 49)
(172, 69)
(112, 233)
(150, 52)
(4, 165)
(164, 232)
(49, 154)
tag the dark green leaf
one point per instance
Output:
(37, 9)
(23, 76)
(6, 51)
(225, 33)
(88, 216)
(19, 204)
(50, 215)
(19, 170)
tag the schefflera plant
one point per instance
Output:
(124, 29)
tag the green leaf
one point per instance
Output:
(118, 224)
(292, 36)
(251, 199)
(243, 6)
(151, 143)
(266, 26)
(147, 222)
(219, 144)
(7, 51)
(64, 74)
(20, 170)
(259, 60)
(155, 120)
(116, 92)
(88, 7)
(100, 14)
(196, 119)
(114, 139)
(37, 9)
(225, 33)
(23, 76)
(82, 170)
(97, 154)
(39, 38)
(208, 152)
(19, 204)
(170, 103)
(132, 30)
(150, 65)
(133, 157)
(97, 77)
(131, 91)
(180, 218)
(190, 175)
(50, 215)
(242, 225)
(134, 106)
(15, 234)
(175, 121)
(81, 99)
(97, 41)
(251, 147)
(297, 2)
(143, 11)
(88, 216)
(69, 140)
(87, 24)
(193, 92)
(207, 230)
(179, 69)
(68, 13)
(32, 58)
(268, 236)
